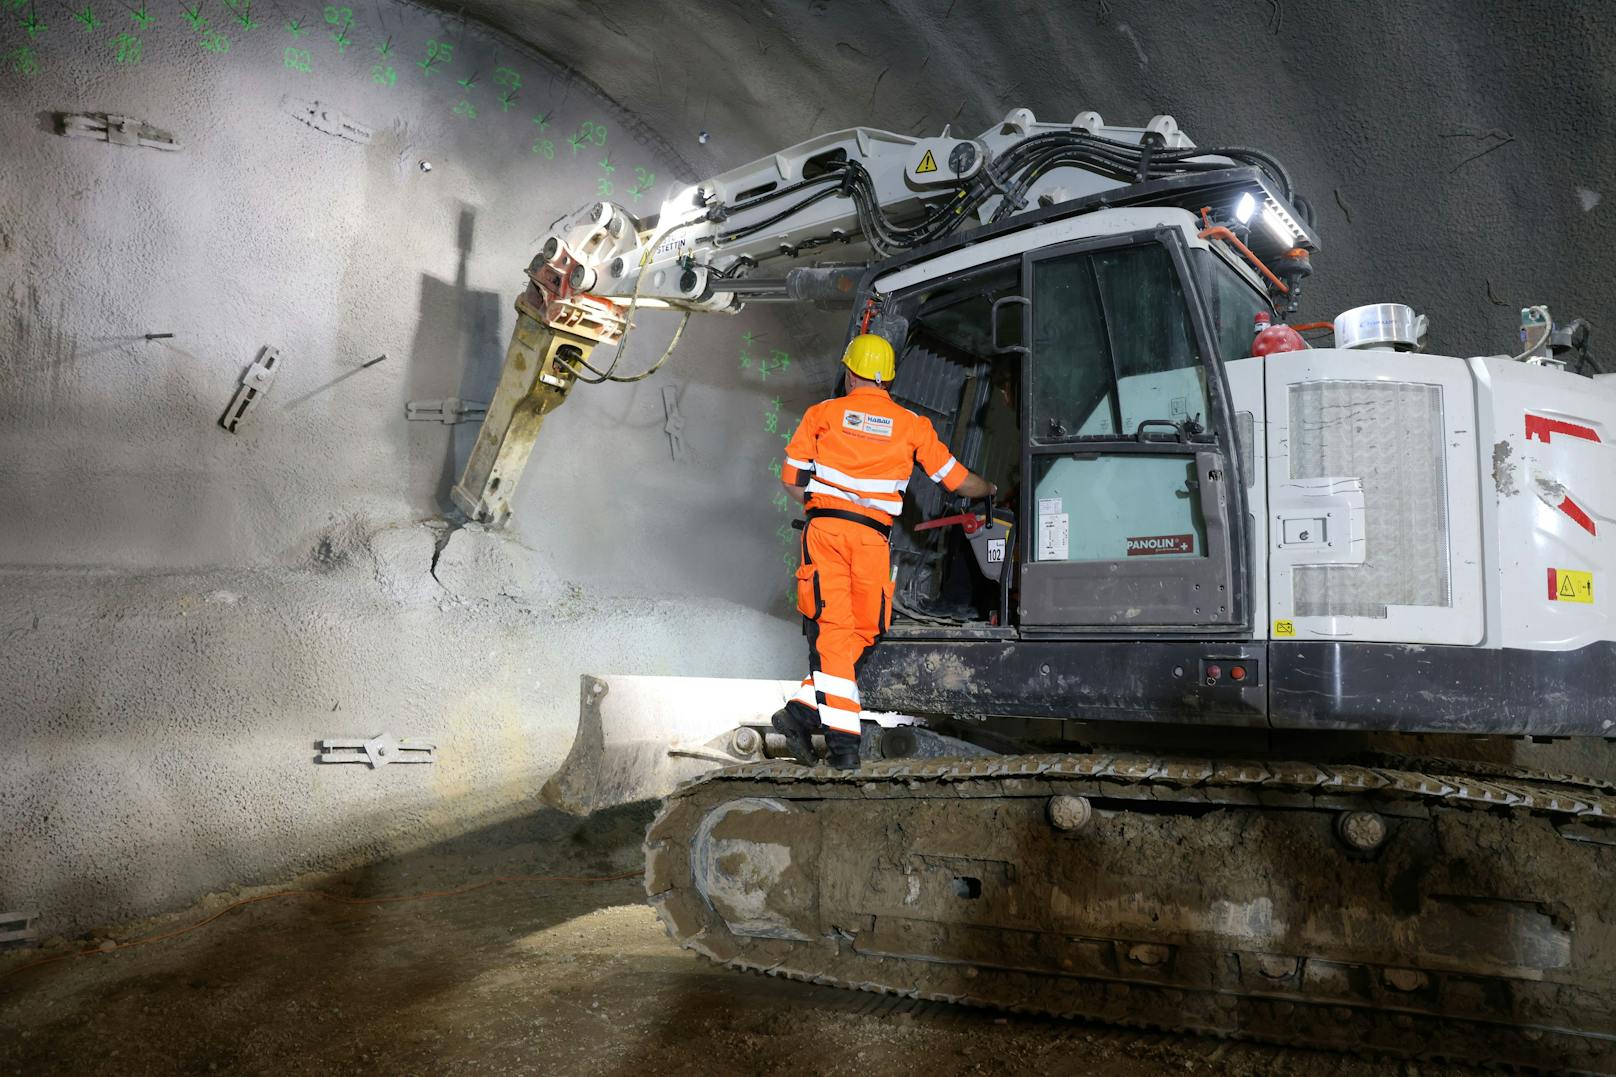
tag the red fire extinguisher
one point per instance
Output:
(1274, 338)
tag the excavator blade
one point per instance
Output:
(639, 737)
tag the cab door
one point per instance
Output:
(1128, 479)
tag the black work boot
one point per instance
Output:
(797, 727)
(842, 749)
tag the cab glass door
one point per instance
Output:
(1128, 475)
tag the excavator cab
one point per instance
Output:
(1085, 379)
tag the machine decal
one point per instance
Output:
(1578, 514)
(1288, 628)
(1542, 428)
(1054, 533)
(1569, 585)
(1150, 545)
(927, 163)
(877, 426)
(995, 551)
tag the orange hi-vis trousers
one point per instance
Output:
(844, 588)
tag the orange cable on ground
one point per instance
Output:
(327, 895)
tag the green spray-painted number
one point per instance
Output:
(87, 17)
(508, 78)
(339, 19)
(781, 502)
(642, 184)
(603, 188)
(382, 75)
(774, 468)
(214, 41)
(297, 59)
(24, 61)
(466, 109)
(544, 148)
(126, 49)
(589, 133)
(436, 53)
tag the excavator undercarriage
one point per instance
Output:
(1429, 910)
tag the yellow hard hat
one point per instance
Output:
(870, 356)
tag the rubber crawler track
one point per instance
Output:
(1562, 1020)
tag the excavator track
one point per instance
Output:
(1234, 898)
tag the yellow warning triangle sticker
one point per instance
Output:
(927, 163)
(1566, 590)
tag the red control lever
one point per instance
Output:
(968, 520)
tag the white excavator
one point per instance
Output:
(1153, 739)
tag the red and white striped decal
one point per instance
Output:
(1542, 428)
(1578, 514)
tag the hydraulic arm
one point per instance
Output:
(742, 236)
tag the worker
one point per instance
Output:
(848, 463)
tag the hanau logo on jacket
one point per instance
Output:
(862, 422)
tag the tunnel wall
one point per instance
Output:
(185, 612)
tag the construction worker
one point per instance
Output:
(849, 463)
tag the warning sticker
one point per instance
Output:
(1284, 628)
(1054, 532)
(1569, 585)
(1148, 545)
(927, 163)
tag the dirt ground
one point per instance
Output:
(522, 977)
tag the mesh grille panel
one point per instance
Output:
(1390, 436)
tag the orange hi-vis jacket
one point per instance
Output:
(858, 451)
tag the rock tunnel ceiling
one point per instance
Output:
(1456, 154)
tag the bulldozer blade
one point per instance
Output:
(640, 737)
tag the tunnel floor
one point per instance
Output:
(522, 977)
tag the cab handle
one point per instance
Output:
(993, 321)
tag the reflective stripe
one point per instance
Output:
(872, 486)
(801, 465)
(805, 694)
(893, 506)
(840, 720)
(838, 686)
(942, 473)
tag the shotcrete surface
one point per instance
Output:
(184, 612)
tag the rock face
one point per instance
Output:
(185, 612)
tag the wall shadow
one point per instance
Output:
(457, 350)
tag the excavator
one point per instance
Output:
(1216, 723)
